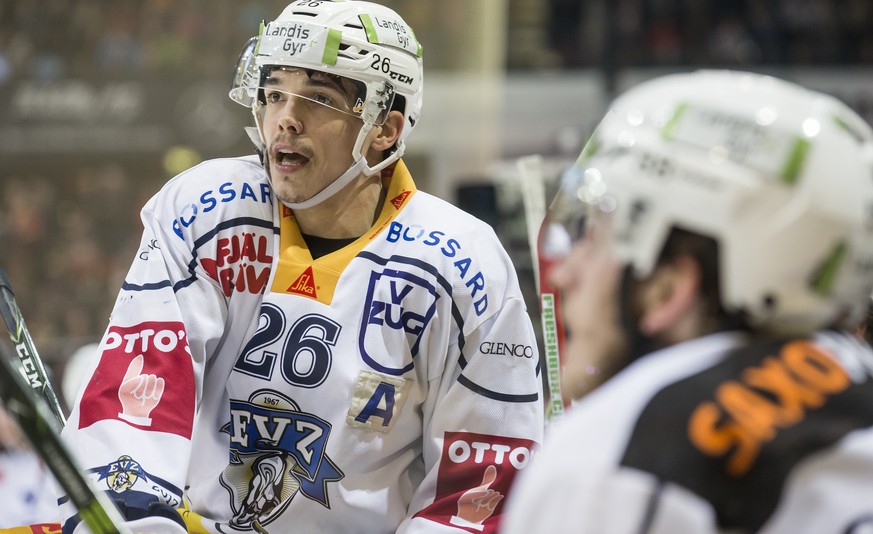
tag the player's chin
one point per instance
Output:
(287, 192)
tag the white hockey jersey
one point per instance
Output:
(393, 385)
(718, 434)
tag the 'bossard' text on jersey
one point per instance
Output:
(392, 385)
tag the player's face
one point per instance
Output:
(589, 279)
(309, 140)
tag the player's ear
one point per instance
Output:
(669, 297)
(387, 134)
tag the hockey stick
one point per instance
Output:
(42, 429)
(533, 193)
(533, 196)
(30, 362)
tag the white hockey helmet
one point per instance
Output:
(779, 176)
(362, 41)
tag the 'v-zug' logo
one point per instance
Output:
(398, 304)
(276, 451)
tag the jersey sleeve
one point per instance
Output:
(131, 426)
(487, 416)
(559, 496)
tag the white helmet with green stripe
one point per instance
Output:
(781, 177)
(362, 41)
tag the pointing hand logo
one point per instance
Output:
(479, 503)
(139, 394)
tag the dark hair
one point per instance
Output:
(705, 251)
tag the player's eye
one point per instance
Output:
(322, 98)
(274, 97)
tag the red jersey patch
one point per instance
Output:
(40, 528)
(145, 377)
(475, 474)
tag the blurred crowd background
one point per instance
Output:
(81, 149)
(54, 38)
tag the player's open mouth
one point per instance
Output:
(288, 158)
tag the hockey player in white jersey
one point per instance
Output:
(305, 342)
(722, 255)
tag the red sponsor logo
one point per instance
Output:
(400, 199)
(475, 474)
(242, 263)
(145, 378)
(44, 528)
(304, 285)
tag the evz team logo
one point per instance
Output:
(126, 474)
(122, 474)
(276, 451)
(397, 304)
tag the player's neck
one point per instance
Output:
(349, 213)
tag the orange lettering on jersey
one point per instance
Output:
(400, 199)
(773, 396)
(815, 367)
(304, 285)
(775, 378)
(286, 211)
(749, 409)
(716, 438)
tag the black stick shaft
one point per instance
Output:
(29, 405)
(29, 359)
